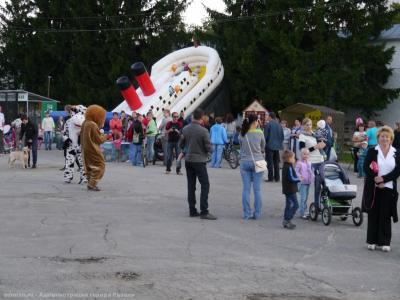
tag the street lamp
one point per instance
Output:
(48, 86)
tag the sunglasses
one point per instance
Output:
(175, 117)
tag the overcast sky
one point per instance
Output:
(195, 12)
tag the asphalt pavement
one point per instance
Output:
(135, 240)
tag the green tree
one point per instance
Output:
(85, 45)
(312, 51)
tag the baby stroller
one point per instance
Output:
(337, 196)
(158, 150)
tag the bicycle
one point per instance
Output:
(144, 153)
(231, 155)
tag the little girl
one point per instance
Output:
(117, 141)
(303, 169)
(289, 188)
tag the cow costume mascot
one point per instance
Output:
(72, 143)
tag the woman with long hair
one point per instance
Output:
(230, 126)
(252, 145)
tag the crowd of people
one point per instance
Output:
(374, 150)
(290, 155)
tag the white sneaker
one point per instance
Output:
(386, 248)
(371, 247)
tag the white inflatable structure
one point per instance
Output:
(183, 80)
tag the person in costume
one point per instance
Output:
(91, 139)
(72, 144)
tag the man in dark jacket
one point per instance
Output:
(173, 129)
(331, 140)
(273, 133)
(196, 141)
(29, 130)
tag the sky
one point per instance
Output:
(195, 12)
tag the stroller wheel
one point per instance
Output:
(357, 216)
(313, 211)
(326, 216)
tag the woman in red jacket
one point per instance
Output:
(115, 124)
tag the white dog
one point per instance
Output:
(22, 156)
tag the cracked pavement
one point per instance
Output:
(60, 238)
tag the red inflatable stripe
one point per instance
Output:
(145, 84)
(132, 98)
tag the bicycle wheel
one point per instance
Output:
(144, 160)
(144, 157)
(233, 160)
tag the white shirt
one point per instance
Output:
(2, 121)
(48, 124)
(386, 165)
(310, 141)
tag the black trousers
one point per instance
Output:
(198, 170)
(172, 148)
(379, 229)
(33, 147)
(1, 141)
(355, 154)
(272, 158)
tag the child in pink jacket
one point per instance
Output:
(304, 171)
(117, 141)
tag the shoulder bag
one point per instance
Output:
(260, 165)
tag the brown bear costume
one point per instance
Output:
(91, 139)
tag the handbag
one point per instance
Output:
(260, 165)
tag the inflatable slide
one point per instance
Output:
(181, 81)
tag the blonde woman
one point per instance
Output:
(308, 140)
(382, 168)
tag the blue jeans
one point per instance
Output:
(150, 147)
(59, 140)
(131, 152)
(249, 175)
(291, 206)
(216, 157)
(33, 147)
(47, 140)
(303, 189)
(136, 154)
(360, 167)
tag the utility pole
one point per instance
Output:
(48, 86)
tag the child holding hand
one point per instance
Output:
(303, 169)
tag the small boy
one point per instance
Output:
(289, 188)
(322, 136)
(361, 154)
